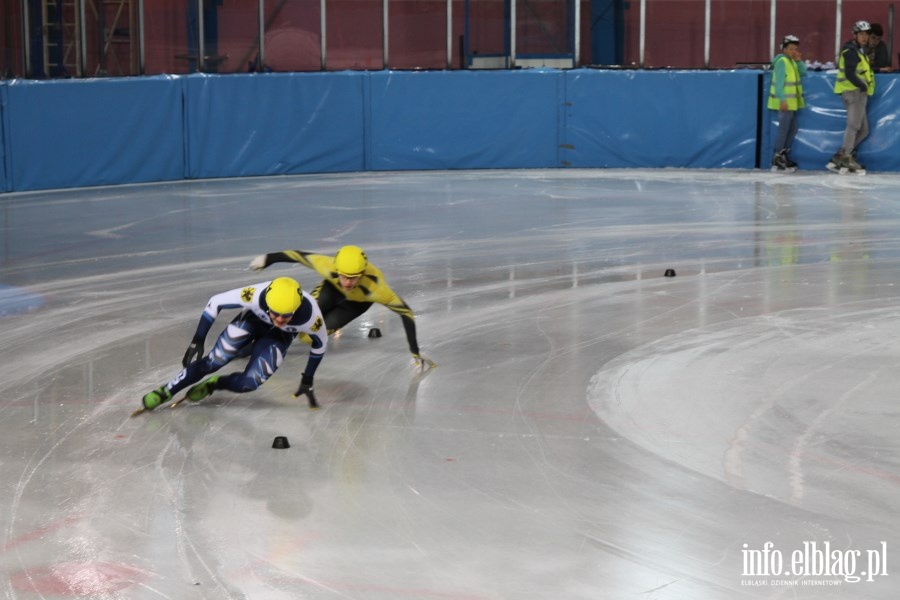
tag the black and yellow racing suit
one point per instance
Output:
(339, 306)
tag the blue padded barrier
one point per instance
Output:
(75, 133)
(274, 124)
(695, 119)
(5, 184)
(822, 124)
(94, 132)
(465, 119)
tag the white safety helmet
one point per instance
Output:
(789, 39)
(861, 26)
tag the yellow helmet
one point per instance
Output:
(283, 296)
(350, 261)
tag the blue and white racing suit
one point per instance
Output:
(252, 326)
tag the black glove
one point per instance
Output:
(306, 388)
(194, 351)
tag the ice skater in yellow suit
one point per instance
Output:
(351, 285)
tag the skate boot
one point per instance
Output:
(202, 389)
(199, 391)
(842, 163)
(862, 167)
(851, 164)
(787, 159)
(153, 399)
(779, 161)
(836, 162)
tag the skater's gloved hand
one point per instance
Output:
(423, 362)
(194, 352)
(306, 389)
(258, 263)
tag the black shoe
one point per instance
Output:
(850, 163)
(787, 159)
(779, 161)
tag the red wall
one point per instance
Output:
(740, 30)
(740, 33)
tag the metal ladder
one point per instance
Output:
(59, 27)
(118, 21)
(111, 24)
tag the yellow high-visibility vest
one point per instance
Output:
(793, 88)
(863, 71)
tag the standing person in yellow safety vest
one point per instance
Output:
(855, 83)
(786, 96)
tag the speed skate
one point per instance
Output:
(844, 170)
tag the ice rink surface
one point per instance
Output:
(593, 429)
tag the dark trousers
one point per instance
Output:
(787, 130)
(337, 310)
(269, 345)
